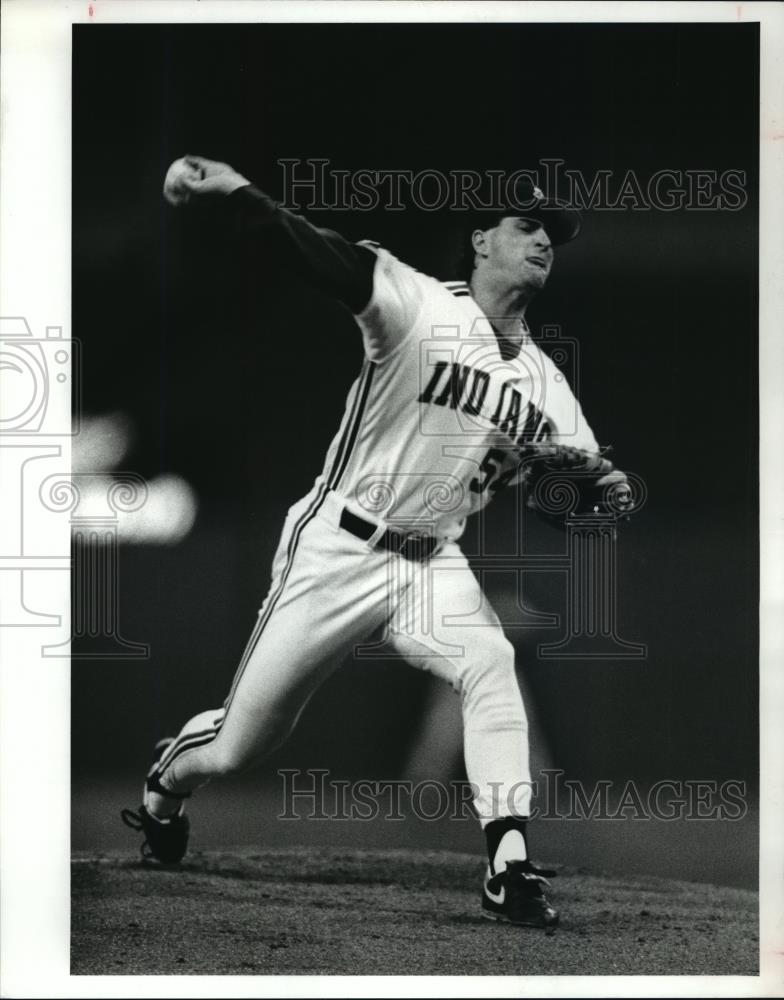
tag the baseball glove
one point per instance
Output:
(561, 481)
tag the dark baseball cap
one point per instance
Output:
(524, 199)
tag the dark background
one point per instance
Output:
(238, 383)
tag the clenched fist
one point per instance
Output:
(196, 177)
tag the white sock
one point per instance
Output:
(511, 848)
(160, 806)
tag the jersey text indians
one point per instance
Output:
(476, 393)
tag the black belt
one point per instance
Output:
(410, 546)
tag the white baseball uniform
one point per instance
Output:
(428, 436)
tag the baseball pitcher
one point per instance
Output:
(453, 402)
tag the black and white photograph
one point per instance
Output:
(399, 461)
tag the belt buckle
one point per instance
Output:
(416, 546)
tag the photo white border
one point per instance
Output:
(35, 252)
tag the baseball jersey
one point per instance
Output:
(434, 422)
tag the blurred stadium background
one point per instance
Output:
(222, 386)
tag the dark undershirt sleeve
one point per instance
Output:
(276, 237)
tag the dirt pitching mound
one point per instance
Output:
(344, 912)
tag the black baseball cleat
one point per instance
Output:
(166, 840)
(516, 896)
